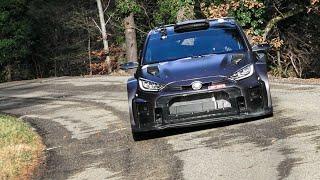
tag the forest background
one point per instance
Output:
(41, 38)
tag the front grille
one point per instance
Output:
(190, 107)
(199, 103)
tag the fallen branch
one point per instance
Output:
(274, 21)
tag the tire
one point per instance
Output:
(270, 114)
(137, 136)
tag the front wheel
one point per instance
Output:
(137, 136)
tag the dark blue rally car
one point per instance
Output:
(197, 72)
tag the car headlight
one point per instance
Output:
(147, 85)
(243, 73)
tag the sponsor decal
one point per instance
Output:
(216, 86)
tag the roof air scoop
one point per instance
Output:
(193, 25)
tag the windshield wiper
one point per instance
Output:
(174, 59)
(196, 56)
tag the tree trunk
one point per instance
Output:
(8, 70)
(55, 68)
(279, 63)
(89, 53)
(131, 40)
(104, 35)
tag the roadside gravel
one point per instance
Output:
(84, 123)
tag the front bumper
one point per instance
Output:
(181, 108)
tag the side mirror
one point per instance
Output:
(129, 65)
(261, 48)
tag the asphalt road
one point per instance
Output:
(85, 126)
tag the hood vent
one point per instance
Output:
(236, 58)
(153, 70)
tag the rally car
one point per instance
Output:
(197, 72)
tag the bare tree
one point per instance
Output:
(89, 50)
(104, 35)
(131, 40)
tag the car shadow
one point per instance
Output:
(184, 130)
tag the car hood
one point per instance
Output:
(219, 66)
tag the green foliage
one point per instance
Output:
(250, 14)
(61, 31)
(168, 9)
(250, 17)
(15, 31)
(20, 147)
(125, 7)
(46, 38)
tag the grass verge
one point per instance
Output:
(21, 149)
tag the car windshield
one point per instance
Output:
(192, 44)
